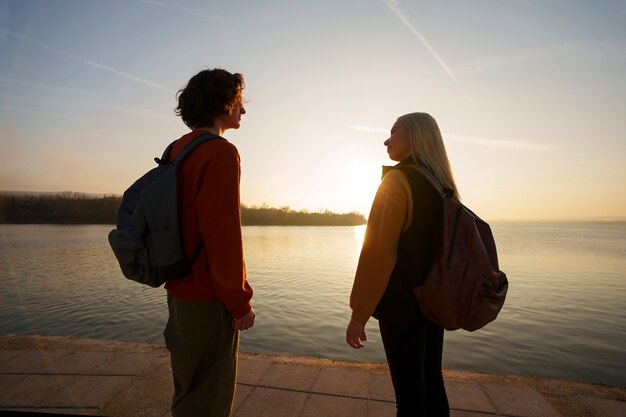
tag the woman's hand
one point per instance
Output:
(355, 334)
(245, 322)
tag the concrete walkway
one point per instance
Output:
(112, 378)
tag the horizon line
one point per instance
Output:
(573, 219)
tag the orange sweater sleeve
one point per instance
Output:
(390, 215)
(217, 204)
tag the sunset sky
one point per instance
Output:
(530, 96)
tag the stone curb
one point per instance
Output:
(75, 376)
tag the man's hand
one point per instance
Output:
(355, 334)
(245, 322)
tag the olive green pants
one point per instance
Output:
(203, 347)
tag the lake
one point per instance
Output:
(565, 314)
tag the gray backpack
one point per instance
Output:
(147, 241)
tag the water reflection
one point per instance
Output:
(359, 235)
(564, 315)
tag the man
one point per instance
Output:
(209, 306)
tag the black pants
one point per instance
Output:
(414, 353)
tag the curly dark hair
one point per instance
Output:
(209, 94)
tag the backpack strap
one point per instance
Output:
(163, 160)
(192, 145)
(443, 192)
(425, 172)
(186, 151)
(166, 155)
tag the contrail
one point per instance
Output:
(87, 61)
(123, 74)
(168, 6)
(394, 5)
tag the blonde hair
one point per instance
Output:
(428, 149)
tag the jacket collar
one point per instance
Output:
(406, 161)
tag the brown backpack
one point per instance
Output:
(465, 287)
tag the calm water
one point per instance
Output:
(565, 314)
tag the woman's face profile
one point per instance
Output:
(398, 145)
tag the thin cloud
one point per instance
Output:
(502, 143)
(87, 61)
(178, 9)
(369, 129)
(588, 50)
(493, 143)
(138, 111)
(46, 113)
(48, 88)
(108, 137)
(26, 103)
(501, 62)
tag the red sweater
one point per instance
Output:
(208, 204)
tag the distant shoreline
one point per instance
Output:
(558, 221)
(251, 215)
(81, 209)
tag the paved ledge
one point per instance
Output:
(76, 376)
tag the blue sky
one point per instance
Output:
(530, 96)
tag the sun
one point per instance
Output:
(357, 184)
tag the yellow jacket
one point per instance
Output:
(390, 216)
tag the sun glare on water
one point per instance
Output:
(359, 235)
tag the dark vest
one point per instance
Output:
(417, 248)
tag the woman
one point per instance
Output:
(402, 238)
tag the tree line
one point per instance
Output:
(284, 216)
(78, 208)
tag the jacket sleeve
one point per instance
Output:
(389, 217)
(219, 218)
